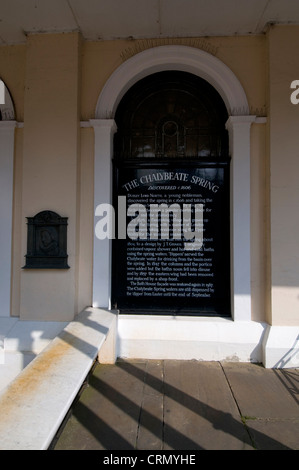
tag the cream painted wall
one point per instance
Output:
(86, 219)
(44, 79)
(284, 186)
(50, 167)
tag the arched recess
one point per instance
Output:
(7, 131)
(208, 67)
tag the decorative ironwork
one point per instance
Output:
(171, 115)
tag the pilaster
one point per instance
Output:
(7, 133)
(239, 140)
(104, 130)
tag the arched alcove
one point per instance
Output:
(217, 74)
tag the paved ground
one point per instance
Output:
(183, 405)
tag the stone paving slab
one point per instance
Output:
(184, 405)
(198, 402)
(268, 400)
(264, 393)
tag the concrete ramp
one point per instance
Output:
(34, 405)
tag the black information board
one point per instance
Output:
(172, 246)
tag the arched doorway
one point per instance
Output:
(171, 167)
(216, 73)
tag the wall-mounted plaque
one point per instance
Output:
(47, 241)
(172, 243)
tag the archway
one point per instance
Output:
(182, 58)
(216, 73)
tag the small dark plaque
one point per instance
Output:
(47, 241)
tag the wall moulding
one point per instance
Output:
(142, 45)
(171, 57)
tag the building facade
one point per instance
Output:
(60, 120)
